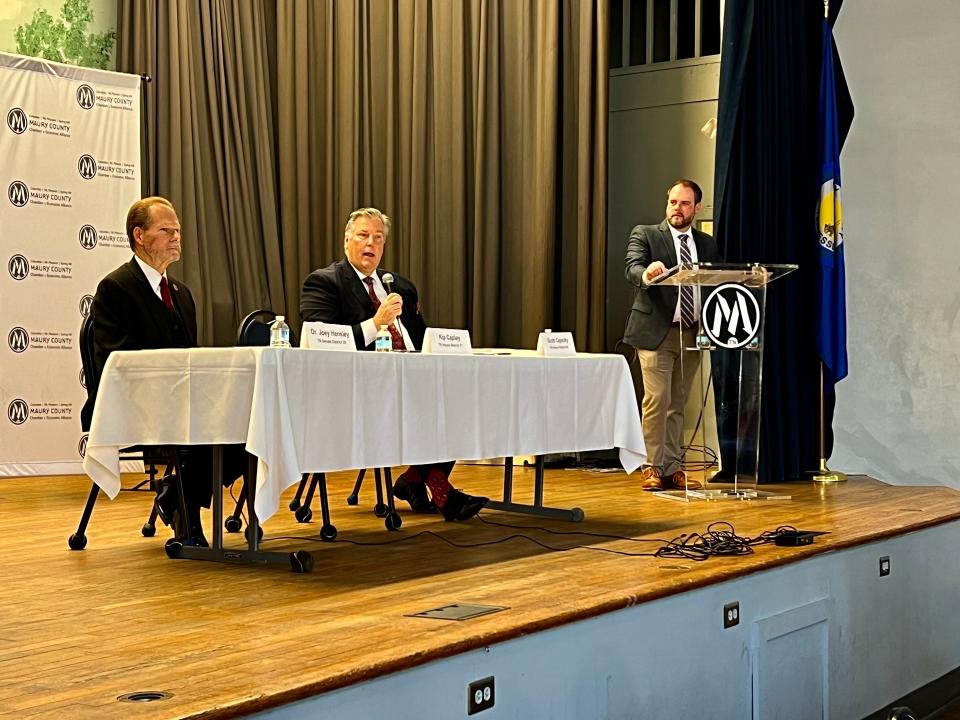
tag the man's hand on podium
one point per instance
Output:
(653, 271)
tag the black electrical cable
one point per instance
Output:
(718, 540)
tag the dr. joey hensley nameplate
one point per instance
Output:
(327, 336)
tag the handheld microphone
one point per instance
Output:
(387, 281)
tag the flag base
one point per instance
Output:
(825, 474)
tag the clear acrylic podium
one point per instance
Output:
(723, 449)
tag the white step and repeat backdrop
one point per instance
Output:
(70, 149)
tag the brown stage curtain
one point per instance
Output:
(479, 126)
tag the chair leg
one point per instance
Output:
(354, 497)
(295, 503)
(380, 509)
(392, 521)
(78, 541)
(303, 513)
(233, 522)
(149, 528)
(327, 531)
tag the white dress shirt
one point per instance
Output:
(153, 277)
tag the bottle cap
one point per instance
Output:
(279, 317)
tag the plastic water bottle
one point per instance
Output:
(384, 342)
(279, 333)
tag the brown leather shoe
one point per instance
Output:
(650, 479)
(680, 481)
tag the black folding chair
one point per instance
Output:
(152, 457)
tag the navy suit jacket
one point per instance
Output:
(654, 306)
(335, 294)
(128, 315)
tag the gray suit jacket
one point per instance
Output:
(654, 306)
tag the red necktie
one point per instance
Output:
(398, 343)
(165, 293)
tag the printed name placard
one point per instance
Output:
(327, 336)
(556, 344)
(444, 341)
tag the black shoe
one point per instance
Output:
(196, 539)
(193, 537)
(415, 494)
(166, 500)
(460, 506)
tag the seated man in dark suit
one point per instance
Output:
(351, 292)
(137, 308)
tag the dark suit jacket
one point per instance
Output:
(335, 294)
(128, 315)
(654, 306)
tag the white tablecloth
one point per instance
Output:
(318, 411)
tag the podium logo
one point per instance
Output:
(88, 237)
(82, 445)
(85, 302)
(17, 411)
(87, 167)
(18, 193)
(86, 97)
(18, 339)
(18, 267)
(18, 121)
(731, 316)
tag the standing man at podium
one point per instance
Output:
(662, 321)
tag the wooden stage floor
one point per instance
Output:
(79, 629)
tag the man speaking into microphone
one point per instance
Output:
(355, 291)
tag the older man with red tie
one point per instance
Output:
(136, 307)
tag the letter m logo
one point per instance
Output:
(18, 193)
(87, 167)
(18, 412)
(86, 97)
(19, 267)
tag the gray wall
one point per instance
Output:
(897, 413)
(655, 121)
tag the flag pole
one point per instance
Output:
(825, 474)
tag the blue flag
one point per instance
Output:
(832, 320)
